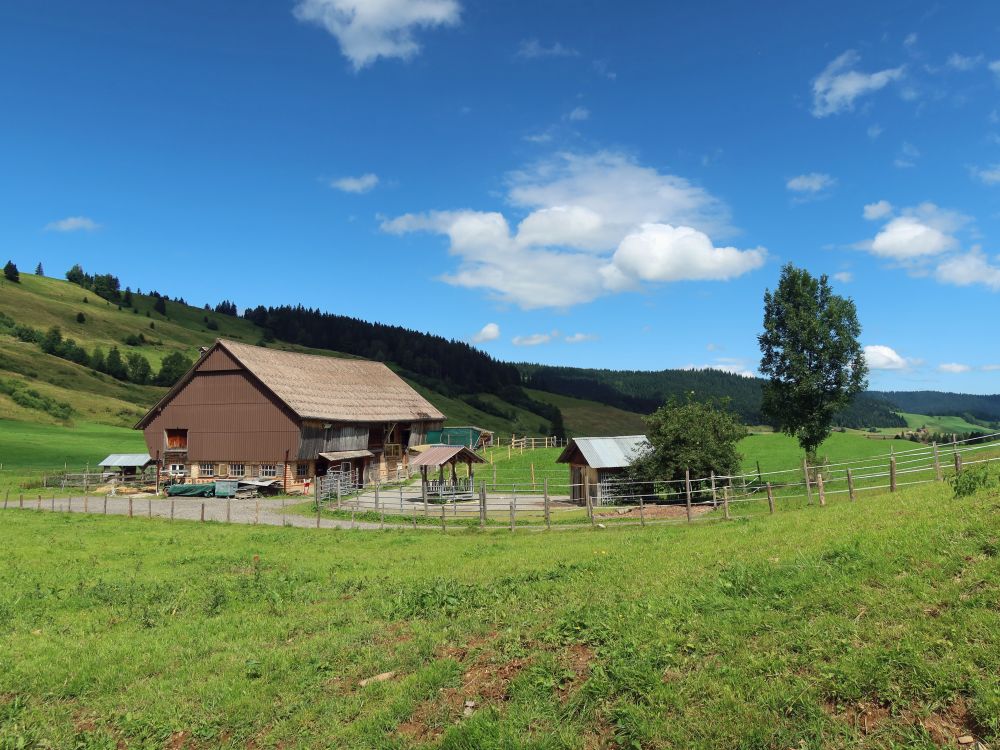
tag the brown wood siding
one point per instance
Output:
(228, 416)
(219, 360)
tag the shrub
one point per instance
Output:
(971, 481)
(81, 318)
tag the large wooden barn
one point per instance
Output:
(245, 412)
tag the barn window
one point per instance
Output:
(237, 470)
(206, 470)
(268, 470)
(177, 440)
(301, 470)
(177, 469)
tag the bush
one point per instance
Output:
(971, 481)
(81, 318)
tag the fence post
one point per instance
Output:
(86, 502)
(687, 492)
(203, 512)
(513, 511)
(317, 515)
(770, 498)
(423, 493)
(642, 510)
(532, 475)
(725, 502)
(149, 509)
(256, 513)
(105, 505)
(377, 503)
(586, 496)
(6, 497)
(892, 474)
(850, 484)
(937, 463)
(69, 503)
(715, 499)
(482, 504)
(822, 489)
(805, 471)
(443, 528)
(548, 516)
(39, 505)
(171, 510)
(958, 463)
(130, 506)
(228, 510)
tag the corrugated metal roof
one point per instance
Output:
(345, 455)
(607, 452)
(127, 460)
(438, 455)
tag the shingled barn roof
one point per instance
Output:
(332, 388)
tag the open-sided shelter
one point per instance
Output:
(441, 456)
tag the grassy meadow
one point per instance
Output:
(867, 624)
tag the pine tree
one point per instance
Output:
(10, 272)
(39, 271)
(115, 367)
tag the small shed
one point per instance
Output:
(126, 464)
(440, 456)
(470, 436)
(594, 462)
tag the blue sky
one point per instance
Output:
(586, 183)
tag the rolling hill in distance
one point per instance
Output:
(68, 378)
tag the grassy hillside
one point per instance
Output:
(942, 424)
(42, 303)
(865, 624)
(590, 419)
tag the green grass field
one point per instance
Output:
(590, 419)
(855, 625)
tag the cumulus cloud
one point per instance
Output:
(812, 183)
(73, 224)
(579, 338)
(839, 85)
(534, 339)
(967, 269)
(594, 224)
(881, 357)
(953, 367)
(661, 252)
(877, 210)
(489, 332)
(987, 175)
(918, 233)
(532, 49)
(844, 277)
(361, 184)
(370, 29)
(578, 114)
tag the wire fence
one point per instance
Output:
(547, 503)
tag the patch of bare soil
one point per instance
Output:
(949, 726)
(576, 660)
(655, 511)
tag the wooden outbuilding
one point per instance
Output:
(246, 411)
(595, 463)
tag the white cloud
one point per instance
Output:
(534, 339)
(881, 357)
(844, 277)
(579, 338)
(73, 224)
(969, 268)
(918, 233)
(532, 49)
(539, 137)
(987, 175)
(877, 210)
(661, 252)
(874, 131)
(953, 367)
(964, 62)
(370, 29)
(910, 39)
(839, 85)
(578, 114)
(994, 67)
(908, 155)
(813, 182)
(602, 68)
(360, 184)
(489, 332)
(593, 225)
(990, 368)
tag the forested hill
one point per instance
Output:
(937, 403)
(643, 391)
